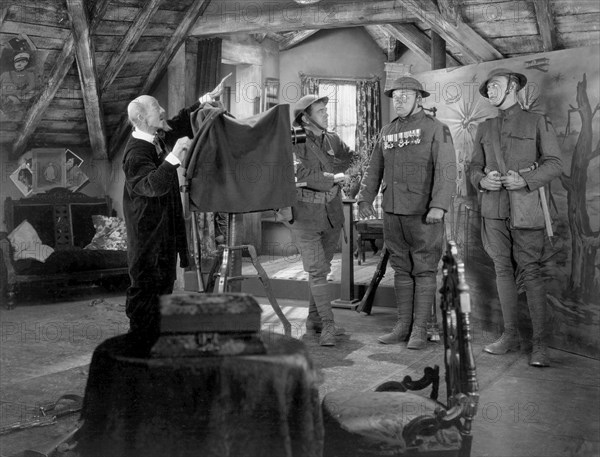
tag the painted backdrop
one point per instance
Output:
(566, 86)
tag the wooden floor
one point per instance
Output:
(290, 268)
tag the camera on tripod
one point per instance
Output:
(298, 134)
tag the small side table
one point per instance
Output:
(252, 405)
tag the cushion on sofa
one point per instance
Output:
(27, 244)
(111, 234)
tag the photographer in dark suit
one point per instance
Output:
(152, 206)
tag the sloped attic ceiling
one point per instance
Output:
(101, 54)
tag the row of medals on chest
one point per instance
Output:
(402, 139)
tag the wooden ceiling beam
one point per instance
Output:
(3, 13)
(295, 38)
(473, 47)
(415, 40)
(65, 60)
(546, 25)
(128, 42)
(182, 32)
(223, 18)
(86, 63)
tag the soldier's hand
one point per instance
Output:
(181, 147)
(365, 210)
(491, 181)
(434, 215)
(513, 181)
(339, 177)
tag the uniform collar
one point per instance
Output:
(516, 108)
(413, 117)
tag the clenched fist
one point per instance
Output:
(181, 147)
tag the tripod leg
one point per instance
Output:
(197, 256)
(221, 284)
(262, 274)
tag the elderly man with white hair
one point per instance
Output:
(152, 206)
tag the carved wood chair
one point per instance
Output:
(394, 421)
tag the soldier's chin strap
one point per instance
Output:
(414, 106)
(312, 122)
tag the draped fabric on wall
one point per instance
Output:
(368, 115)
(208, 65)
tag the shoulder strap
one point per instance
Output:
(496, 146)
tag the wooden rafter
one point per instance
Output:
(65, 60)
(415, 40)
(3, 12)
(86, 63)
(128, 42)
(545, 24)
(449, 11)
(296, 17)
(294, 38)
(195, 10)
(473, 47)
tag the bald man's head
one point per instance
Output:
(146, 114)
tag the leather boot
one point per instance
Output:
(424, 297)
(328, 334)
(323, 298)
(397, 335)
(509, 341)
(317, 327)
(539, 355)
(536, 299)
(403, 291)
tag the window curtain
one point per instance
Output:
(368, 115)
(208, 65)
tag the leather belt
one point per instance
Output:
(313, 196)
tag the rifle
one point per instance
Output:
(366, 302)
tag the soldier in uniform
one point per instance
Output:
(415, 164)
(515, 154)
(318, 216)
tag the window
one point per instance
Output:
(341, 108)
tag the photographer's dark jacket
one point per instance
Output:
(319, 201)
(524, 138)
(152, 207)
(415, 163)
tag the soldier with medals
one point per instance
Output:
(415, 164)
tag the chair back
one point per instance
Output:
(461, 375)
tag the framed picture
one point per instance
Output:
(271, 93)
(75, 177)
(22, 177)
(49, 170)
(21, 76)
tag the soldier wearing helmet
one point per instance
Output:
(318, 217)
(515, 154)
(415, 165)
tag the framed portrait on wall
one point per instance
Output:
(22, 177)
(75, 177)
(49, 170)
(21, 75)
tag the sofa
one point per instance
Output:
(58, 238)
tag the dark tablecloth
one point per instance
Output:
(259, 405)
